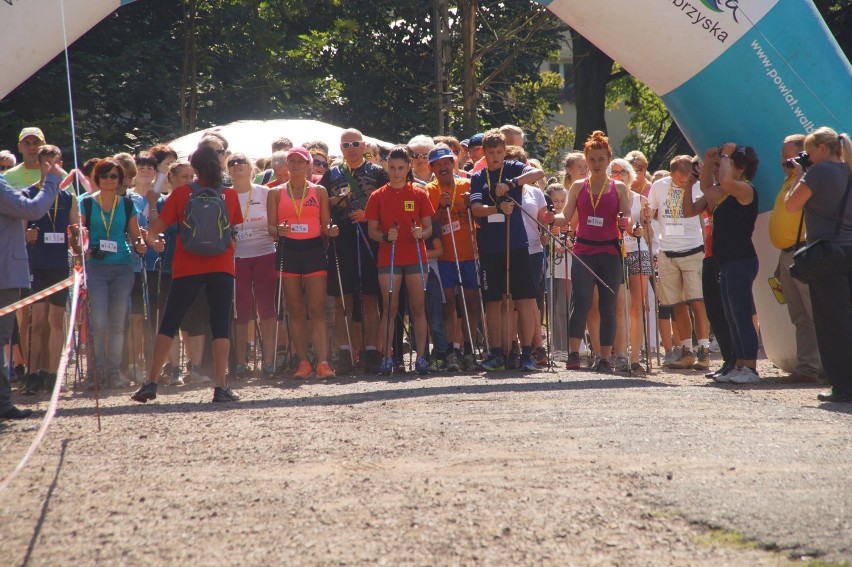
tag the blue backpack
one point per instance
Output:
(206, 228)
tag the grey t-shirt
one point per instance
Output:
(827, 181)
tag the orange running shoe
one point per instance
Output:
(324, 370)
(304, 370)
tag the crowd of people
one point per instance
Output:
(315, 262)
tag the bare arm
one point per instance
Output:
(567, 213)
(272, 212)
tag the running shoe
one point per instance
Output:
(452, 361)
(371, 361)
(240, 371)
(528, 364)
(540, 356)
(573, 362)
(421, 365)
(344, 361)
(303, 371)
(468, 362)
(684, 361)
(145, 392)
(196, 377)
(33, 384)
(513, 361)
(324, 370)
(225, 394)
(268, 370)
(386, 367)
(745, 375)
(438, 364)
(619, 364)
(603, 367)
(493, 364)
(702, 359)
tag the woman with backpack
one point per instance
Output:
(205, 212)
(109, 218)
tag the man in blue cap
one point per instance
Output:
(476, 153)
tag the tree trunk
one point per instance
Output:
(673, 144)
(470, 119)
(592, 70)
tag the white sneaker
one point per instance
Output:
(714, 346)
(198, 378)
(727, 377)
(670, 357)
(744, 375)
(559, 356)
(584, 349)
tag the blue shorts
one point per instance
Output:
(449, 276)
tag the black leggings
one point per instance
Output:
(220, 297)
(609, 268)
(715, 310)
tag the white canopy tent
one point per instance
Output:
(254, 137)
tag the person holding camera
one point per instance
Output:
(786, 231)
(823, 194)
(15, 277)
(110, 218)
(732, 203)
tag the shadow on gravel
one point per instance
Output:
(489, 387)
(45, 506)
(836, 408)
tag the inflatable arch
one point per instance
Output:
(751, 71)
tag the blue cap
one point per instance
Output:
(465, 142)
(475, 140)
(441, 153)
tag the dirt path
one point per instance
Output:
(548, 468)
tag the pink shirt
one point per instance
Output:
(598, 220)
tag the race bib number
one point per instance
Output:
(299, 228)
(447, 229)
(54, 238)
(409, 206)
(595, 221)
(109, 245)
(499, 217)
(245, 234)
(674, 229)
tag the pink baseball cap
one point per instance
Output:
(301, 152)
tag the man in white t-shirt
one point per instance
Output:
(680, 262)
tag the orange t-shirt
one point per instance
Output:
(185, 263)
(461, 220)
(401, 206)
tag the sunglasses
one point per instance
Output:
(347, 145)
(108, 176)
(320, 163)
(619, 172)
(237, 161)
(5, 167)
(419, 156)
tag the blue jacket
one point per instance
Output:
(15, 206)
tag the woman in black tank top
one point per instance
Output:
(732, 203)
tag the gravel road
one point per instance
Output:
(551, 468)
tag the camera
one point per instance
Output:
(96, 253)
(802, 159)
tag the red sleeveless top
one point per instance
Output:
(598, 221)
(302, 214)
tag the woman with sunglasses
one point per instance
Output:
(298, 216)
(319, 164)
(254, 258)
(192, 273)
(110, 218)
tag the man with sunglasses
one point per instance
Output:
(349, 186)
(787, 233)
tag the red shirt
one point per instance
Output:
(402, 206)
(185, 263)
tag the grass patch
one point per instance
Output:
(716, 537)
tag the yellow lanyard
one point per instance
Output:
(55, 210)
(488, 178)
(27, 175)
(248, 204)
(108, 227)
(675, 208)
(600, 196)
(302, 204)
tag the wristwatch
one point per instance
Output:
(513, 183)
(385, 237)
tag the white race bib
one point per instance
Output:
(445, 230)
(54, 238)
(674, 229)
(499, 217)
(595, 221)
(244, 234)
(299, 228)
(109, 245)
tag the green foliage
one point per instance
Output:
(560, 140)
(649, 119)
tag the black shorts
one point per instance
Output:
(197, 319)
(44, 278)
(216, 289)
(349, 266)
(301, 257)
(521, 282)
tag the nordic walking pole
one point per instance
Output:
(159, 265)
(549, 296)
(423, 279)
(475, 249)
(279, 303)
(574, 256)
(388, 306)
(626, 271)
(460, 283)
(645, 330)
(342, 299)
(507, 297)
